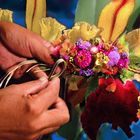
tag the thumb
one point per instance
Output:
(32, 87)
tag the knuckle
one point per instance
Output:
(31, 137)
(14, 87)
(33, 109)
(32, 127)
(66, 117)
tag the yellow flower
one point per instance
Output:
(138, 113)
(6, 15)
(82, 30)
(101, 59)
(139, 99)
(51, 29)
(66, 47)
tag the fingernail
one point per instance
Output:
(43, 80)
(56, 79)
(53, 50)
(47, 44)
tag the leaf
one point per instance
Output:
(93, 84)
(71, 130)
(133, 38)
(134, 61)
(79, 135)
(89, 10)
(126, 74)
(123, 44)
(114, 18)
(35, 11)
(73, 82)
(134, 16)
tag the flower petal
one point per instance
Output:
(82, 30)
(114, 17)
(6, 15)
(119, 108)
(35, 10)
(51, 29)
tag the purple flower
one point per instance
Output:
(115, 48)
(83, 44)
(83, 58)
(88, 72)
(114, 57)
(123, 62)
(124, 55)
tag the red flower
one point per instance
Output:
(109, 103)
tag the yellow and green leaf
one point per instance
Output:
(89, 10)
(35, 11)
(133, 38)
(134, 16)
(114, 18)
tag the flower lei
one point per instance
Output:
(86, 58)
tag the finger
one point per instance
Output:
(46, 97)
(56, 116)
(48, 130)
(8, 59)
(32, 87)
(40, 51)
(38, 135)
(21, 71)
(37, 73)
(26, 43)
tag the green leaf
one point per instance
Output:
(89, 10)
(71, 130)
(79, 135)
(126, 74)
(93, 84)
(134, 61)
(134, 16)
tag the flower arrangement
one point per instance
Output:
(100, 60)
(87, 58)
(88, 55)
(101, 63)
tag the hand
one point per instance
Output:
(18, 43)
(30, 110)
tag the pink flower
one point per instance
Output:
(83, 58)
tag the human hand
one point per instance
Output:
(18, 43)
(31, 109)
